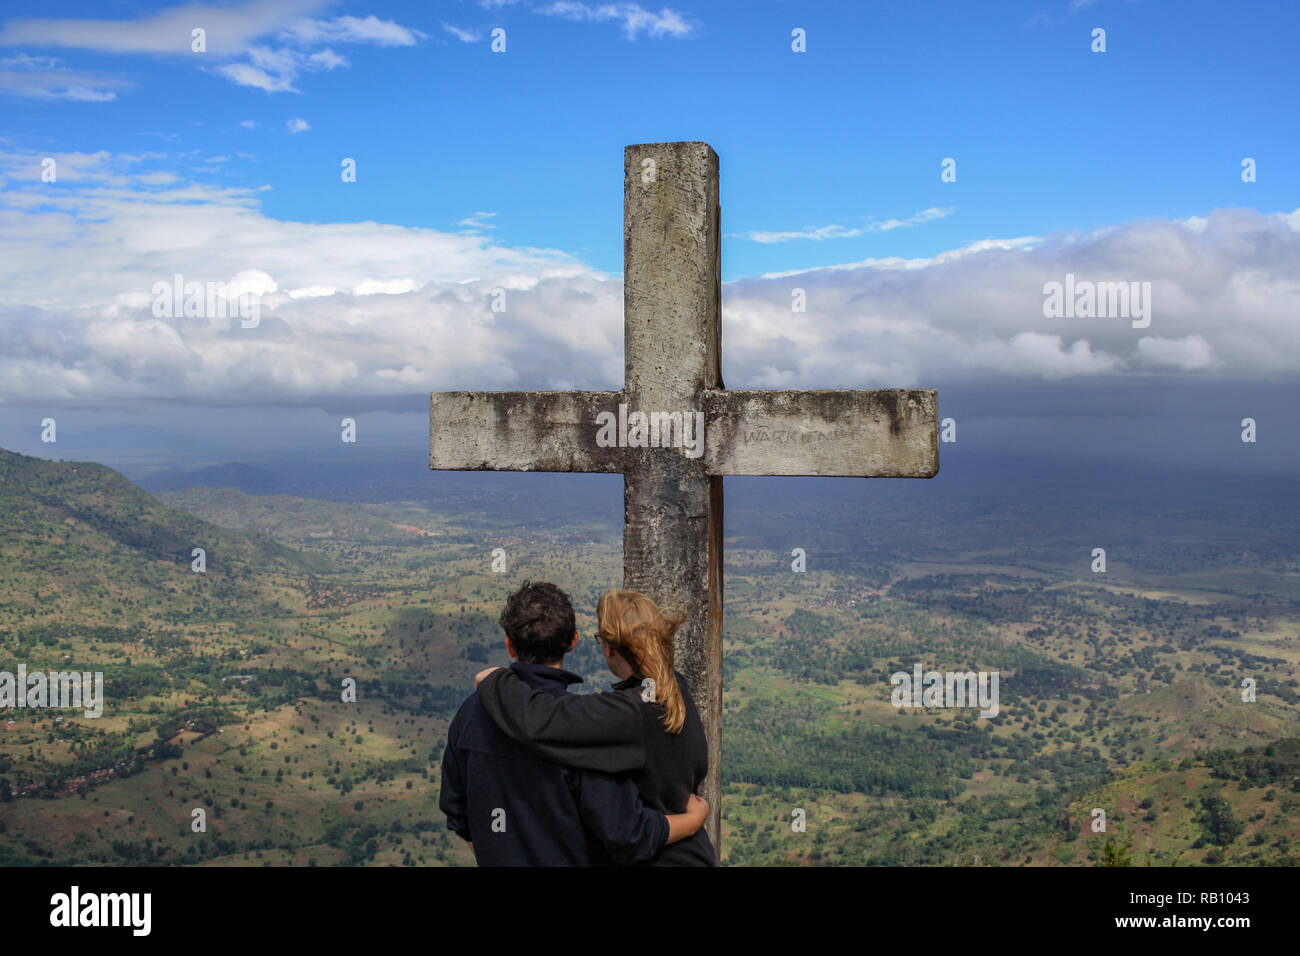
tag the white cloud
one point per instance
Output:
(327, 59)
(925, 215)
(478, 221)
(77, 265)
(352, 30)
(385, 287)
(230, 35)
(24, 62)
(634, 17)
(228, 28)
(42, 78)
(808, 232)
(1190, 353)
(251, 281)
(1039, 355)
(367, 309)
(845, 232)
(60, 86)
(464, 36)
(899, 263)
(275, 70)
(243, 74)
(297, 125)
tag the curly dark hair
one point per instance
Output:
(538, 619)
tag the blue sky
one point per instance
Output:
(479, 170)
(1048, 136)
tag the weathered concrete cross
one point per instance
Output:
(672, 500)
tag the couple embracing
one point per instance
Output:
(534, 776)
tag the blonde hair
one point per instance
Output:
(636, 628)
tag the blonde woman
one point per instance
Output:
(647, 727)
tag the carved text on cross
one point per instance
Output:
(672, 502)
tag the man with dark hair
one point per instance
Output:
(539, 623)
(515, 809)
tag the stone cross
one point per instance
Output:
(649, 432)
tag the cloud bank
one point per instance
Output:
(368, 309)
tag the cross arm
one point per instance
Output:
(885, 433)
(520, 431)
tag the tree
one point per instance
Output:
(1112, 854)
(1220, 824)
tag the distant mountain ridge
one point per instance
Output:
(79, 536)
(236, 474)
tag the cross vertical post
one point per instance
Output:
(672, 337)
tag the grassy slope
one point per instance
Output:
(1110, 692)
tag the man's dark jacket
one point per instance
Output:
(614, 733)
(521, 810)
